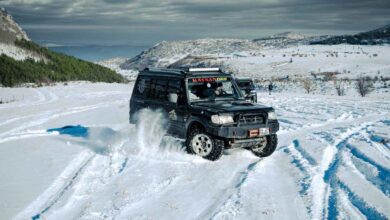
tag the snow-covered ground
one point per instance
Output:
(332, 161)
(350, 61)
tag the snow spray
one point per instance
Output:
(152, 127)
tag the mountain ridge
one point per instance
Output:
(377, 36)
(9, 29)
(23, 61)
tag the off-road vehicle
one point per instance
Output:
(205, 107)
(247, 88)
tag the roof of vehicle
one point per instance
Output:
(185, 72)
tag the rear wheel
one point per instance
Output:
(266, 147)
(204, 145)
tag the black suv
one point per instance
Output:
(205, 107)
(247, 88)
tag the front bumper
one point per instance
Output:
(241, 131)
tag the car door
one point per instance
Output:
(177, 112)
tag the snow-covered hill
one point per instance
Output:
(171, 53)
(287, 39)
(278, 56)
(9, 29)
(115, 63)
(9, 32)
(378, 36)
(347, 61)
(68, 152)
(168, 52)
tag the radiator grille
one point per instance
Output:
(251, 119)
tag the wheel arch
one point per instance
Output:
(193, 124)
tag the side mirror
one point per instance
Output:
(172, 97)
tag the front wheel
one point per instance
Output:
(204, 145)
(266, 147)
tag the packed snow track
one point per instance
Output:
(68, 152)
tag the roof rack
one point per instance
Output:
(182, 71)
(204, 70)
(162, 70)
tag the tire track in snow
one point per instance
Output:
(57, 189)
(322, 129)
(99, 171)
(28, 134)
(231, 203)
(44, 97)
(90, 187)
(306, 156)
(303, 164)
(325, 183)
(301, 158)
(377, 201)
(318, 187)
(380, 143)
(381, 180)
(368, 211)
(153, 190)
(62, 192)
(50, 116)
(101, 175)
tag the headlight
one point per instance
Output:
(272, 115)
(222, 119)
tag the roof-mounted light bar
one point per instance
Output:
(204, 70)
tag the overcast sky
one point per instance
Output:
(142, 22)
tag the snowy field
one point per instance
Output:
(68, 152)
(302, 61)
(350, 61)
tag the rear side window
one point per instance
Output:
(158, 89)
(174, 86)
(142, 86)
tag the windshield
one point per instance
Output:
(212, 88)
(245, 85)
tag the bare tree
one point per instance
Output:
(364, 85)
(308, 85)
(339, 85)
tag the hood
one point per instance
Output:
(232, 106)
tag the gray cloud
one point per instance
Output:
(138, 21)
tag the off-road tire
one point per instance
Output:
(272, 143)
(217, 145)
